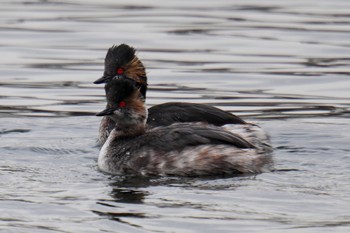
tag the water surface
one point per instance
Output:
(282, 64)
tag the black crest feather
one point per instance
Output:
(117, 56)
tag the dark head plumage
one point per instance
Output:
(121, 62)
(119, 90)
(117, 57)
(125, 104)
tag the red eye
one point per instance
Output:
(120, 71)
(122, 104)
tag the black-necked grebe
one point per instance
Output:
(180, 149)
(121, 62)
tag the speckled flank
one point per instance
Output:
(193, 161)
(253, 134)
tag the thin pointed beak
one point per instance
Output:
(106, 112)
(106, 79)
(103, 79)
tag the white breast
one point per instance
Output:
(103, 155)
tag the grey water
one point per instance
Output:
(282, 64)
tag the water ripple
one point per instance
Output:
(284, 64)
